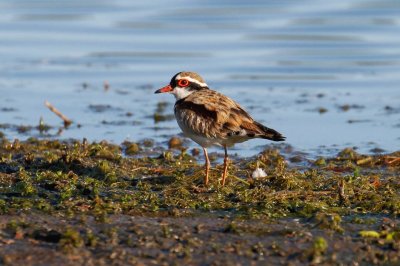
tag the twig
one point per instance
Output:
(241, 180)
(392, 160)
(138, 168)
(66, 120)
(106, 85)
(341, 191)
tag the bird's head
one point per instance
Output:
(183, 84)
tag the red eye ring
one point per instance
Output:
(183, 83)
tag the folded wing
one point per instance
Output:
(213, 115)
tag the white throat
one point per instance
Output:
(180, 93)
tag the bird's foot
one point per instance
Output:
(223, 180)
(224, 176)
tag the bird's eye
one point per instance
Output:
(183, 83)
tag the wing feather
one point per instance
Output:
(214, 115)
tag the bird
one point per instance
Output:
(210, 118)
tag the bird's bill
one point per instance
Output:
(167, 88)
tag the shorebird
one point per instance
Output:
(210, 118)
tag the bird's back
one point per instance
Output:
(207, 115)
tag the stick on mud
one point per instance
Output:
(341, 191)
(66, 120)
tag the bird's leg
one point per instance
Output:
(207, 165)
(225, 167)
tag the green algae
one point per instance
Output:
(52, 172)
(71, 239)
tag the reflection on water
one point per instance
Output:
(284, 61)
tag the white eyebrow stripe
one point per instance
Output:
(202, 84)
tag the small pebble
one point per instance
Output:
(195, 152)
(174, 143)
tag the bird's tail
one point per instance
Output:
(269, 133)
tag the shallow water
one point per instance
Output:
(326, 75)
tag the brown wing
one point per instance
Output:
(215, 115)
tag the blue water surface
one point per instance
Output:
(324, 73)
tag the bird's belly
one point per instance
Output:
(202, 140)
(208, 142)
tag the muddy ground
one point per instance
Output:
(80, 203)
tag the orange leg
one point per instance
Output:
(207, 165)
(225, 167)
